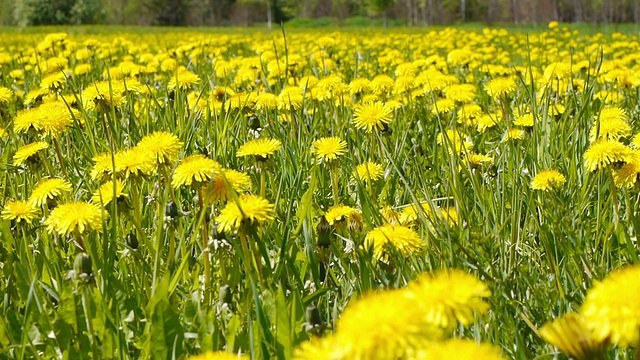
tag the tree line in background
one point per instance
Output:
(251, 12)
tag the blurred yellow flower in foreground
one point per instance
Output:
(571, 335)
(611, 308)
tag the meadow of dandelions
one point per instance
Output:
(424, 194)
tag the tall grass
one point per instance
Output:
(539, 251)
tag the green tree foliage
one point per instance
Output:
(167, 12)
(46, 12)
(248, 12)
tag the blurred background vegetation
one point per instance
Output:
(313, 12)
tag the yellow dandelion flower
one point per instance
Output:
(547, 180)
(485, 122)
(525, 120)
(75, 217)
(369, 172)
(135, 162)
(260, 148)
(409, 214)
(329, 148)
(462, 93)
(605, 152)
(404, 84)
(359, 86)
(217, 355)
(47, 189)
(635, 141)
(372, 116)
(18, 210)
(627, 175)
(34, 97)
(307, 82)
(612, 124)
(514, 134)
(468, 112)
(382, 84)
(241, 101)
(556, 109)
(3, 132)
(383, 325)
(324, 348)
(104, 165)
(28, 151)
(458, 349)
(611, 308)
(54, 82)
(501, 87)
(477, 160)
(443, 106)
(450, 214)
(164, 145)
(6, 95)
(571, 335)
(390, 214)
(290, 99)
(460, 56)
(103, 94)
(218, 190)
(183, 79)
(82, 69)
(195, 168)
(109, 191)
(449, 297)
(251, 210)
(454, 141)
(337, 213)
(405, 240)
(610, 113)
(51, 118)
(267, 101)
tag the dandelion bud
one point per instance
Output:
(171, 210)
(253, 122)
(217, 233)
(131, 240)
(225, 295)
(355, 222)
(314, 324)
(82, 267)
(324, 232)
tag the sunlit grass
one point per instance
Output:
(511, 156)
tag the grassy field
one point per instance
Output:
(446, 193)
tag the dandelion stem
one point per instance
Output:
(258, 263)
(137, 216)
(614, 195)
(88, 318)
(246, 253)
(205, 250)
(334, 185)
(63, 169)
(263, 181)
